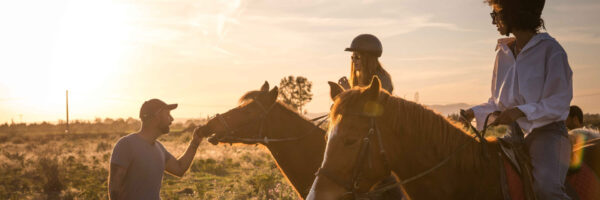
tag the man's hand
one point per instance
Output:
(199, 133)
(507, 117)
(179, 166)
(344, 82)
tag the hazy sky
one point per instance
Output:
(113, 55)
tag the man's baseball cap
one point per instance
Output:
(152, 106)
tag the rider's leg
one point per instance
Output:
(550, 151)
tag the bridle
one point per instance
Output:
(353, 186)
(357, 171)
(230, 137)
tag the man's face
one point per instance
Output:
(496, 20)
(164, 120)
(572, 122)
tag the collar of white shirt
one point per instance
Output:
(503, 42)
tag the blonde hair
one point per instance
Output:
(370, 67)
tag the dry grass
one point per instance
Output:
(59, 166)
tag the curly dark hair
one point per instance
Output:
(520, 14)
(575, 111)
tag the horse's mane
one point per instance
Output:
(252, 95)
(408, 117)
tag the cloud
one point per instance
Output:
(586, 35)
(572, 7)
(391, 26)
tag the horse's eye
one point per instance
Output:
(350, 141)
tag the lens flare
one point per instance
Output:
(578, 150)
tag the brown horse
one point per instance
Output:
(296, 144)
(373, 134)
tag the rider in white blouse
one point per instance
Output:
(531, 89)
(545, 90)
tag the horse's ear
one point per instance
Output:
(273, 94)
(265, 87)
(373, 91)
(335, 89)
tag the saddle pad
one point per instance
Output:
(586, 183)
(515, 185)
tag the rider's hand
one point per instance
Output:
(509, 116)
(344, 82)
(467, 115)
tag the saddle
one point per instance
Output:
(517, 179)
(515, 159)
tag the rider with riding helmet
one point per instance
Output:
(366, 50)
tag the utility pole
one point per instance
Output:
(417, 97)
(67, 95)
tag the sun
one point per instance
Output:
(90, 45)
(88, 49)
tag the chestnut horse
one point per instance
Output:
(296, 143)
(373, 134)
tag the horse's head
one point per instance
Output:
(245, 122)
(354, 160)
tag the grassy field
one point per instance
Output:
(75, 166)
(37, 161)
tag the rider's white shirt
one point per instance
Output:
(538, 82)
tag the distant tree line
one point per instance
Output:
(591, 120)
(99, 125)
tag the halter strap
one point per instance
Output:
(262, 120)
(359, 165)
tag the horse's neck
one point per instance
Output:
(464, 176)
(300, 159)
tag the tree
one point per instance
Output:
(295, 91)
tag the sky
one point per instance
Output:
(112, 55)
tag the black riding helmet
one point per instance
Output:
(366, 43)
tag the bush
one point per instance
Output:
(211, 166)
(103, 146)
(53, 184)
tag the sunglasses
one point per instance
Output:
(494, 16)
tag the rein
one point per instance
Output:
(262, 121)
(353, 187)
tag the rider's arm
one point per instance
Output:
(481, 111)
(557, 91)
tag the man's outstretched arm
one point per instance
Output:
(180, 165)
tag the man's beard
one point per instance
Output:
(164, 129)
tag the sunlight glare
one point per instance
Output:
(90, 45)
